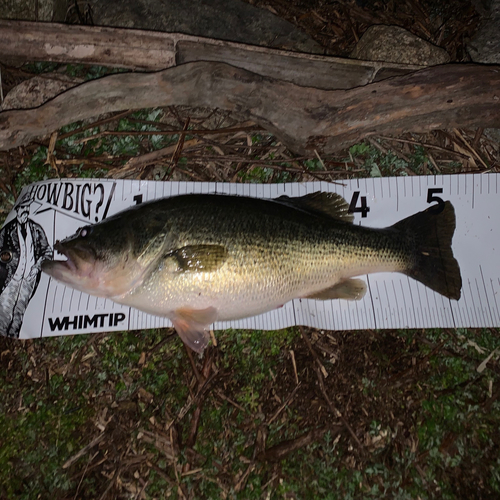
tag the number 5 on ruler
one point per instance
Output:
(436, 209)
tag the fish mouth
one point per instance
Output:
(86, 271)
(69, 262)
(79, 262)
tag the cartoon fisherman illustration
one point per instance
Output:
(23, 247)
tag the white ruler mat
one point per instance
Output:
(393, 300)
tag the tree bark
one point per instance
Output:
(303, 118)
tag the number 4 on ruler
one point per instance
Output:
(364, 208)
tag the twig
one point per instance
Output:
(377, 145)
(51, 159)
(284, 405)
(385, 151)
(177, 478)
(110, 484)
(140, 161)
(189, 353)
(201, 392)
(93, 466)
(117, 116)
(83, 475)
(281, 450)
(313, 352)
(195, 419)
(423, 144)
(179, 146)
(292, 355)
(469, 147)
(219, 131)
(83, 451)
(230, 401)
(161, 343)
(213, 337)
(241, 483)
(161, 472)
(319, 158)
(269, 164)
(434, 164)
(335, 411)
(477, 137)
(139, 493)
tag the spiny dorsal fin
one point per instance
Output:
(331, 204)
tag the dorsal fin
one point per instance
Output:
(319, 203)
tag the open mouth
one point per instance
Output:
(57, 267)
(69, 262)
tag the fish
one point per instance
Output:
(201, 258)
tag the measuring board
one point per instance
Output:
(60, 207)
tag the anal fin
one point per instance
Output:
(349, 289)
(192, 326)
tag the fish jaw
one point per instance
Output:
(80, 270)
(67, 273)
(85, 272)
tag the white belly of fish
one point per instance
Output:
(234, 295)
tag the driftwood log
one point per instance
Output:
(141, 50)
(303, 118)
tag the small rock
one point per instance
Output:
(484, 47)
(493, 134)
(397, 45)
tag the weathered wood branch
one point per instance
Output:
(303, 118)
(141, 50)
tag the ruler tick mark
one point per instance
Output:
(486, 294)
(371, 298)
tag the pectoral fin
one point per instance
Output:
(350, 289)
(192, 326)
(198, 258)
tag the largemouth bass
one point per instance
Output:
(197, 259)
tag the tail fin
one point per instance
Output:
(433, 262)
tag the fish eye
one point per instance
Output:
(84, 231)
(5, 257)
